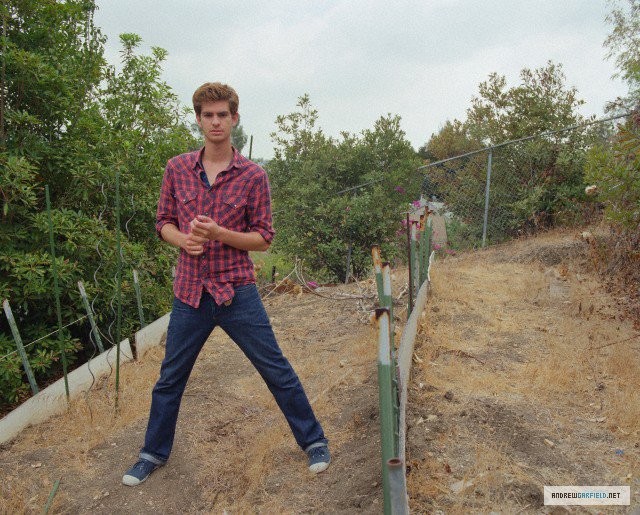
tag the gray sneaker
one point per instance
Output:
(319, 457)
(139, 472)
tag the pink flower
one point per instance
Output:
(437, 246)
(312, 284)
(416, 203)
(400, 189)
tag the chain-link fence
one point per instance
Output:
(512, 188)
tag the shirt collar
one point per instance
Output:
(236, 161)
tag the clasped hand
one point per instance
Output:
(203, 229)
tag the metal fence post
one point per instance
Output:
(377, 268)
(118, 287)
(398, 487)
(87, 307)
(486, 198)
(410, 306)
(21, 351)
(56, 288)
(414, 258)
(385, 400)
(136, 286)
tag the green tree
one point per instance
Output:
(332, 197)
(71, 122)
(622, 45)
(614, 165)
(535, 183)
(238, 137)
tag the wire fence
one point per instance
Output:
(512, 188)
(73, 331)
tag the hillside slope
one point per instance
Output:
(525, 374)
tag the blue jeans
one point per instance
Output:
(247, 323)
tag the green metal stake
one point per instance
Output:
(21, 351)
(56, 289)
(118, 286)
(425, 247)
(250, 146)
(377, 268)
(385, 401)
(387, 302)
(410, 306)
(413, 259)
(53, 493)
(87, 307)
(136, 285)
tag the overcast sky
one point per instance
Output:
(360, 59)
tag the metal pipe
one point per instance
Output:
(486, 198)
(377, 269)
(410, 307)
(398, 487)
(385, 400)
(56, 289)
(21, 351)
(136, 286)
(87, 307)
(118, 287)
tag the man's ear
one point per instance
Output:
(236, 119)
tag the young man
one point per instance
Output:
(215, 206)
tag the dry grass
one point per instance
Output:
(544, 374)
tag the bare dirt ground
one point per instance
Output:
(526, 374)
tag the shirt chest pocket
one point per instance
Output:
(232, 212)
(187, 202)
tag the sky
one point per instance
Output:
(362, 59)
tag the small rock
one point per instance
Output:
(448, 395)
(420, 421)
(549, 443)
(432, 418)
(459, 486)
(36, 465)
(343, 363)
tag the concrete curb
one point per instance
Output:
(52, 400)
(151, 335)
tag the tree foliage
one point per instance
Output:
(69, 121)
(534, 182)
(332, 197)
(614, 165)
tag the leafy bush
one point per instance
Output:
(335, 197)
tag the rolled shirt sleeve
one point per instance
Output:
(259, 208)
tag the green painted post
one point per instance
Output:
(410, 306)
(413, 258)
(52, 495)
(87, 307)
(118, 286)
(250, 146)
(21, 351)
(385, 401)
(427, 247)
(388, 303)
(387, 298)
(136, 286)
(425, 250)
(377, 268)
(56, 290)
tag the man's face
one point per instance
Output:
(216, 121)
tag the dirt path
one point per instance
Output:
(233, 450)
(509, 392)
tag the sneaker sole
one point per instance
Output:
(132, 480)
(316, 468)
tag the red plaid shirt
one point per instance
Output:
(238, 200)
